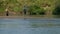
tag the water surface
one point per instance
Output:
(29, 26)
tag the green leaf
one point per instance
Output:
(17, 8)
(2, 9)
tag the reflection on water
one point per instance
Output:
(56, 16)
(29, 26)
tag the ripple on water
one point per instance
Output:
(29, 26)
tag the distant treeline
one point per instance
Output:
(34, 7)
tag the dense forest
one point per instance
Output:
(34, 7)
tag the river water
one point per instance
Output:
(29, 26)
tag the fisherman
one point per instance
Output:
(7, 12)
(25, 10)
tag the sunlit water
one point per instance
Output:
(29, 26)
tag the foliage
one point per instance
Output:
(17, 9)
(2, 9)
(34, 9)
(56, 11)
(35, 6)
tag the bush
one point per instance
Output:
(17, 9)
(34, 9)
(41, 11)
(2, 9)
(33, 13)
(56, 11)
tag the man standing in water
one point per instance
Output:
(25, 10)
(7, 13)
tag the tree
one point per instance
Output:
(56, 11)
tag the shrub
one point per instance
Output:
(17, 9)
(34, 9)
(2, 9)
(41, 11)
(56, 11)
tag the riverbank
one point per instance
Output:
(21, 17)
(25, 17)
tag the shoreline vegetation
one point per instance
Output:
(29, 7)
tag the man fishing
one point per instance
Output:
(25, 9)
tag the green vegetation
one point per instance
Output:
(56, 11)
(35, 7)
(36, 10)
(2, 10)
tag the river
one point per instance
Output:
(29, 26)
